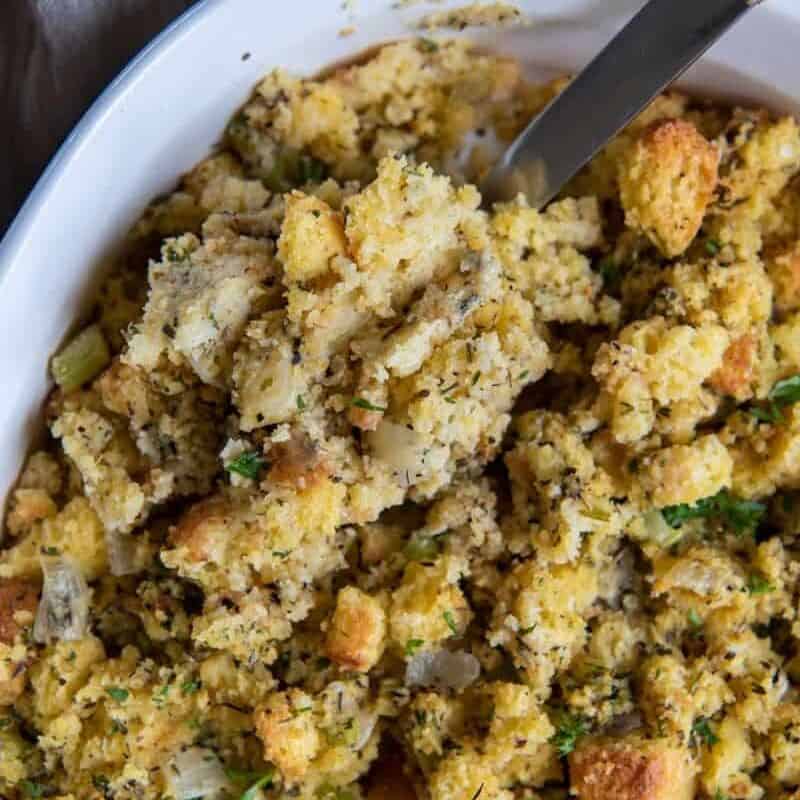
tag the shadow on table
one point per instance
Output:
(55, 58)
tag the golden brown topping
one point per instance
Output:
(631, 770)
(735, 376)
(358, 630)
(298, 462)
(18, 601)
(198, 525)
(666, 182)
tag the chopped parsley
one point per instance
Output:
(428, 45)
(719, 795)
(191, 687)
(569, 729)
(702, 730)
(451, 622)
(161, 694)
(694, 620)
(118, 694)
(247, 464)
(32, 789)
(360, 402)
(311, 170)
(713, 247)
(257, 781)
(100, 782)
(784, 393)
(301, 404)
(412, 645)
(758, 584)
(51, 551)
(609, 271)
(742, 515)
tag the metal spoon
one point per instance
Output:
(661, 41)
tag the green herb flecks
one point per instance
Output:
(712, 247)
(311, 170)
(695, 621)
(784, 393)
(360, 402)
(191, 687)
(610, 272)
(451, 622)
(412, 645)
(257, 781)
(741, 515)
(701, 730)
(118, 694)
(32, 789)
(758, 584)
(569, 728)
(427, 45)
(247, 464)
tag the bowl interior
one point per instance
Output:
(168, 109)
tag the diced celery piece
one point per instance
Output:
(421, 548)
(81, 360)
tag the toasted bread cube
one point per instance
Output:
(18, 602)
(666, 181)
(358, 630)
(685, 473)
(736, 375)
(631, 769)
(285, 724)
(312, 234)
(29, 506)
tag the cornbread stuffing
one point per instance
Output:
(358, 490)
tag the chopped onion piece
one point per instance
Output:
(441, 668)
(366, 721)
(398, 446)
(121, 553)
(196, 772)
(342, 699)
(624, 724)
(63, 611)
(658, 531)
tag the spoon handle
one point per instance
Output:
(661, 41)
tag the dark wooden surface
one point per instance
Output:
(56, 56)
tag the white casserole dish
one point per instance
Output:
(169, 106)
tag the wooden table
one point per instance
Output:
(55, 58)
